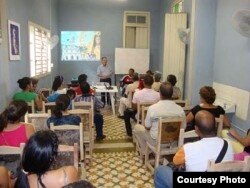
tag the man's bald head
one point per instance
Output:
(205, 122)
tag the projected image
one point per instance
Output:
(80, 45)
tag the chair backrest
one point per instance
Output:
(10, 157)
(170, 133)
(69, 134)
(31, 106)
(67, 155)
(130, 97)
(48, 106)
(144, 113)
(229, 166)
(45, 91)
(169, 129)
(181, 103)
(219, 125)
(38, 120)
(139, 109)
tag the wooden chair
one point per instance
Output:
(229, 166)
(139, 109)
(87, 109)
(31, 107)
(38, 120)
(68, 155)
(48, 106)
(182, 103)
(144, 113)
(70, 134)
(10, 157)
(219, 125)
(169, 140)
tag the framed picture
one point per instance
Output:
(14, 40)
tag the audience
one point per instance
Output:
(245, 141)
(145, 95)
(57, 89)
(27, 94)
(12, 131)
(38, 156)
(207, 98)
(98, 118)
(125, 102)
(165, 107)
(60, 115)
(157, 81)
(176, 91)
(195, 155)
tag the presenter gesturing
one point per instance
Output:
(104, 72)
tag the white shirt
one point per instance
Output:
(145, 95)
(198, 153)
(163, 108)
(132, 87)
(104, 71)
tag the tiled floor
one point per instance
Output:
(115, 162)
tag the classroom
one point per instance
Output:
(201, 42)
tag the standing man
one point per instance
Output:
(104, 72)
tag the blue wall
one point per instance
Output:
(105, 16)
(232, 52)
(22, 11)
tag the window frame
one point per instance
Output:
(175, 3)
(32, 54)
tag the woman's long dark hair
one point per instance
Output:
(62, 104)
(57, 83)
(13, 113)
(38, 155)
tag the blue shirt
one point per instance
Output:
(68, 119)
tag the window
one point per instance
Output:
(40, 57)
(136, 29)
(177, 7)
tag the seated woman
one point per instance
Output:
(57, 89)
(176, 91)
(12, 131)
(98, 118)
(245, 141)
(27, 94)
(60, 115)
(36, 171)
(34, 82)
(207, 98)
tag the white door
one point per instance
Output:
(174, 49)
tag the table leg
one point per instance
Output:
(112, 102)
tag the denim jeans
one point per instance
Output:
(163, 177)
(98, 120)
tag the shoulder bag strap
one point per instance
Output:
(222, 152)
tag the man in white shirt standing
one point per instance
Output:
(104, 72)
(163, 108)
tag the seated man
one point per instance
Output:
(98, 117)
(145, 95)
(157, 81)
(195, 155)
(125, 101)
(163, 108)
(127, 79)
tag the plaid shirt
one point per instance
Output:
(88, 98)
